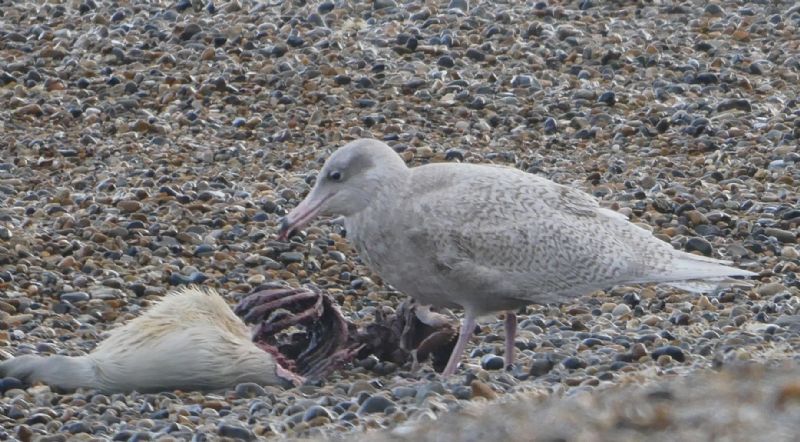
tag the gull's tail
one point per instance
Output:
(700, 274)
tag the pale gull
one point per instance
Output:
(485, 238)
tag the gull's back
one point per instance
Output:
(490, 238)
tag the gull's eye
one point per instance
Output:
(335, 175)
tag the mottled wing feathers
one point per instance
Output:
(505, 230)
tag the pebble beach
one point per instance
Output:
(150, 145)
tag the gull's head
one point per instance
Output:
(348, 183)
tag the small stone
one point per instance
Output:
(664, 359)
(204, 250)
(6, 78)
(784, 236)
(67, 263)
(573, 363)
(295, 41)
(670, 350)
(522, 81)
(316, 411)
(403, 392)
(790, 252)
(707, 78)
(462, 392)
(342, 80)
(475, 54)
(607, 307)
(130, 88)
(208, 54)
(492, 362)
(235, 431)
(190, 31)
(770, 289)
(714, 10)
(454, 154)
(608, 98)
(5, 234)
(632, 299)
(359, 386)
(703, 303)
(550, 125)
(757, 68)
(741, 104)
(696, 217)
(129, 206)
(592, 342)
(375, 404)
(194, 278)
(10, 384)
(315, 19)
(481, 389)
(383, 4)
(638, 351)
(249, 390)
(290, 257)
(463, 5)
(24, 433)
(429, 389)
(620, 310)
(446, 61)
(30, 109)
(791, 322)
(77, 427)
(73, 297)
(700, 245)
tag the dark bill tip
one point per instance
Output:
(285, 230)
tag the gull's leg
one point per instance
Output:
(511, 334)
(467, 327)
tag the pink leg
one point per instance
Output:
(511, 334)
(467, 327)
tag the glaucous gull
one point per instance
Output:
(486, 238)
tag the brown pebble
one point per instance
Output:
(664, 360)
(30, 109)
(638, 350)
(24, 433)
(129, 205)
(67, 263)
(208, 54)
(788, 393)
(696, 217)
(8, 308)
(214, 404)
(483, 390)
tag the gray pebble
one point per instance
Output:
(784, 236)
(463, 5)
(383, 4)
(492, 362)
(235, 431)
(675, 352)
(540, 367)
(249, 390)
(290, 257)
(316, 411)
(403, 392)
(74, 297)
(375, 404)
(573, 363)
